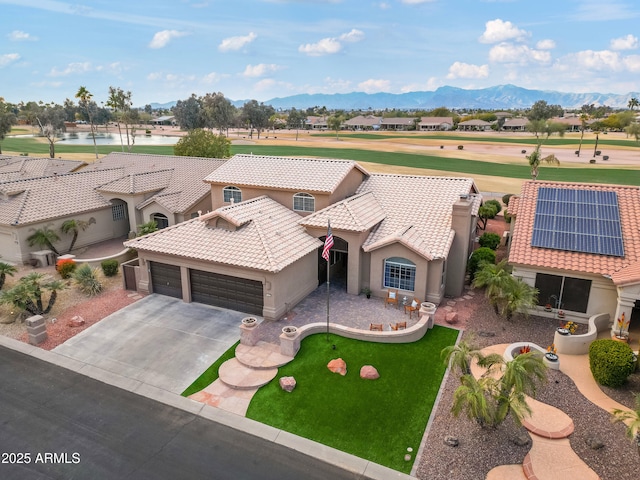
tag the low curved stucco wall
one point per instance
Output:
(121, 257)
(579, 344)
(513, 349)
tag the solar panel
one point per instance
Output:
(578, 221)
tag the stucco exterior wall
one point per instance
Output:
(9, 250)
(396, 250)
(435, 286)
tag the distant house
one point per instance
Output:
(165, 120)
(574, 124)
(119, 192)
(363, 122)
(435, 123)
(397, 123)
(579, 245)
(259, 250)
(515, 124)
(316, 123)
(474, 125)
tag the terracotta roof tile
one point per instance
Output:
(284, 173)
(356, 214)
(621, 269)
(21, 168)
(268, 237)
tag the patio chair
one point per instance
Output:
(414, 306)
(401, 326)
(392, 298)
(375, 327)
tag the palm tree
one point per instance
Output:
(44, 237)
(460, 356)
(84, 96)
(583, 125)
(633, 103)
(74, 227)
(518, 296)
(473, 397)
(495, 278)
(27, 294)
(535, 159)
(632, 419)
(6, 269)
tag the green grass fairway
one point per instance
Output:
(373, 419)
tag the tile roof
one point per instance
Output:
(358, 213)
(622, 270)
(436, 120)
(21, 168)
(417, 211)
(268, 237)
(176, 179)
(284, 173)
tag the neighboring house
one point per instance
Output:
(574, 124)
(316, 123)
(475, 125)
(397, 123)
(164, 120)
(579, 245)
(435, 123)
(119, 192)
(259, 251)
(515, 124)
(362, 122)
(21, 168)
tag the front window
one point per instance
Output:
(161, 220)
(399, 273)
(231, 194)
(566, 293)
(118, 212)
(303, 202)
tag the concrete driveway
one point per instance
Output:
(159, 340)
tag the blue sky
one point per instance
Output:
(165, 50)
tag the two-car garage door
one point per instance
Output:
(234, 293)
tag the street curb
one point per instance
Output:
(364, 468)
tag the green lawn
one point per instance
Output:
(210, 375)
(373, 419)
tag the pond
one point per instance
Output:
(112, 138)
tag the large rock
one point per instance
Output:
(451, 441)
(76, 321)
(338, 365)
(451, 317)
(287, 383)
(369, 372)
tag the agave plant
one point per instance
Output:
(87, 280)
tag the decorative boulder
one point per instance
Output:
(287, 383)
(451, 441)
(338, 365)
(369, 372)
(451, 317)
(76, 321)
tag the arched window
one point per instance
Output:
(161, 220)
(231, 194)
(399, 273)
(303, 202)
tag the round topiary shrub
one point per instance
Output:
(605, 157)
(109, 267)
(460, 147)
(611, 362)
(489, 240)
(441, 146)
(482, 254)
(598, 152)
(506, 197)
(495, 203)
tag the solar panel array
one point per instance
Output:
(578, 221)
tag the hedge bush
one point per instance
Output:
(109, 267)
(506, 197)
(495, 203)
(611, 362)
(460, 147)
(490, 240)
(482, 254)
(65, 267)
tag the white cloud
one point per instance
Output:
(508, 53)
(8, 58)
(331, 45)
(260, 70)
(546, 44)
(326, 46)
(374, 85)
(416, 2)
(596, 60)
(72, 68)
(236, 43)
(353, 36)
(161, 39)
(498, 31)
(595, 11)
(466, 70)
(431, 84)
(20, 36)
(264, 84)
(632, 62)
(212, 77)
(629, 42)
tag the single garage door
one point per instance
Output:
(166, 280)
(225, 291)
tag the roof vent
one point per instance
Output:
(464, 196)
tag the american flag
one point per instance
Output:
(328, 243)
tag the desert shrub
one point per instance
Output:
(507, 217)
(441, 146)
(593, 160)
(506, 198)
(489, 240)
(482, 254)
(611, 362)
(605, 157)
(87, 280)
(65, 267)
(598, 152)
(495, 203)
(109, 267)
(460, 147)
(523, 151)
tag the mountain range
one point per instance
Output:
(501, 97)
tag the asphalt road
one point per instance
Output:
(57, 424)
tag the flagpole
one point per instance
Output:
(328, 287)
